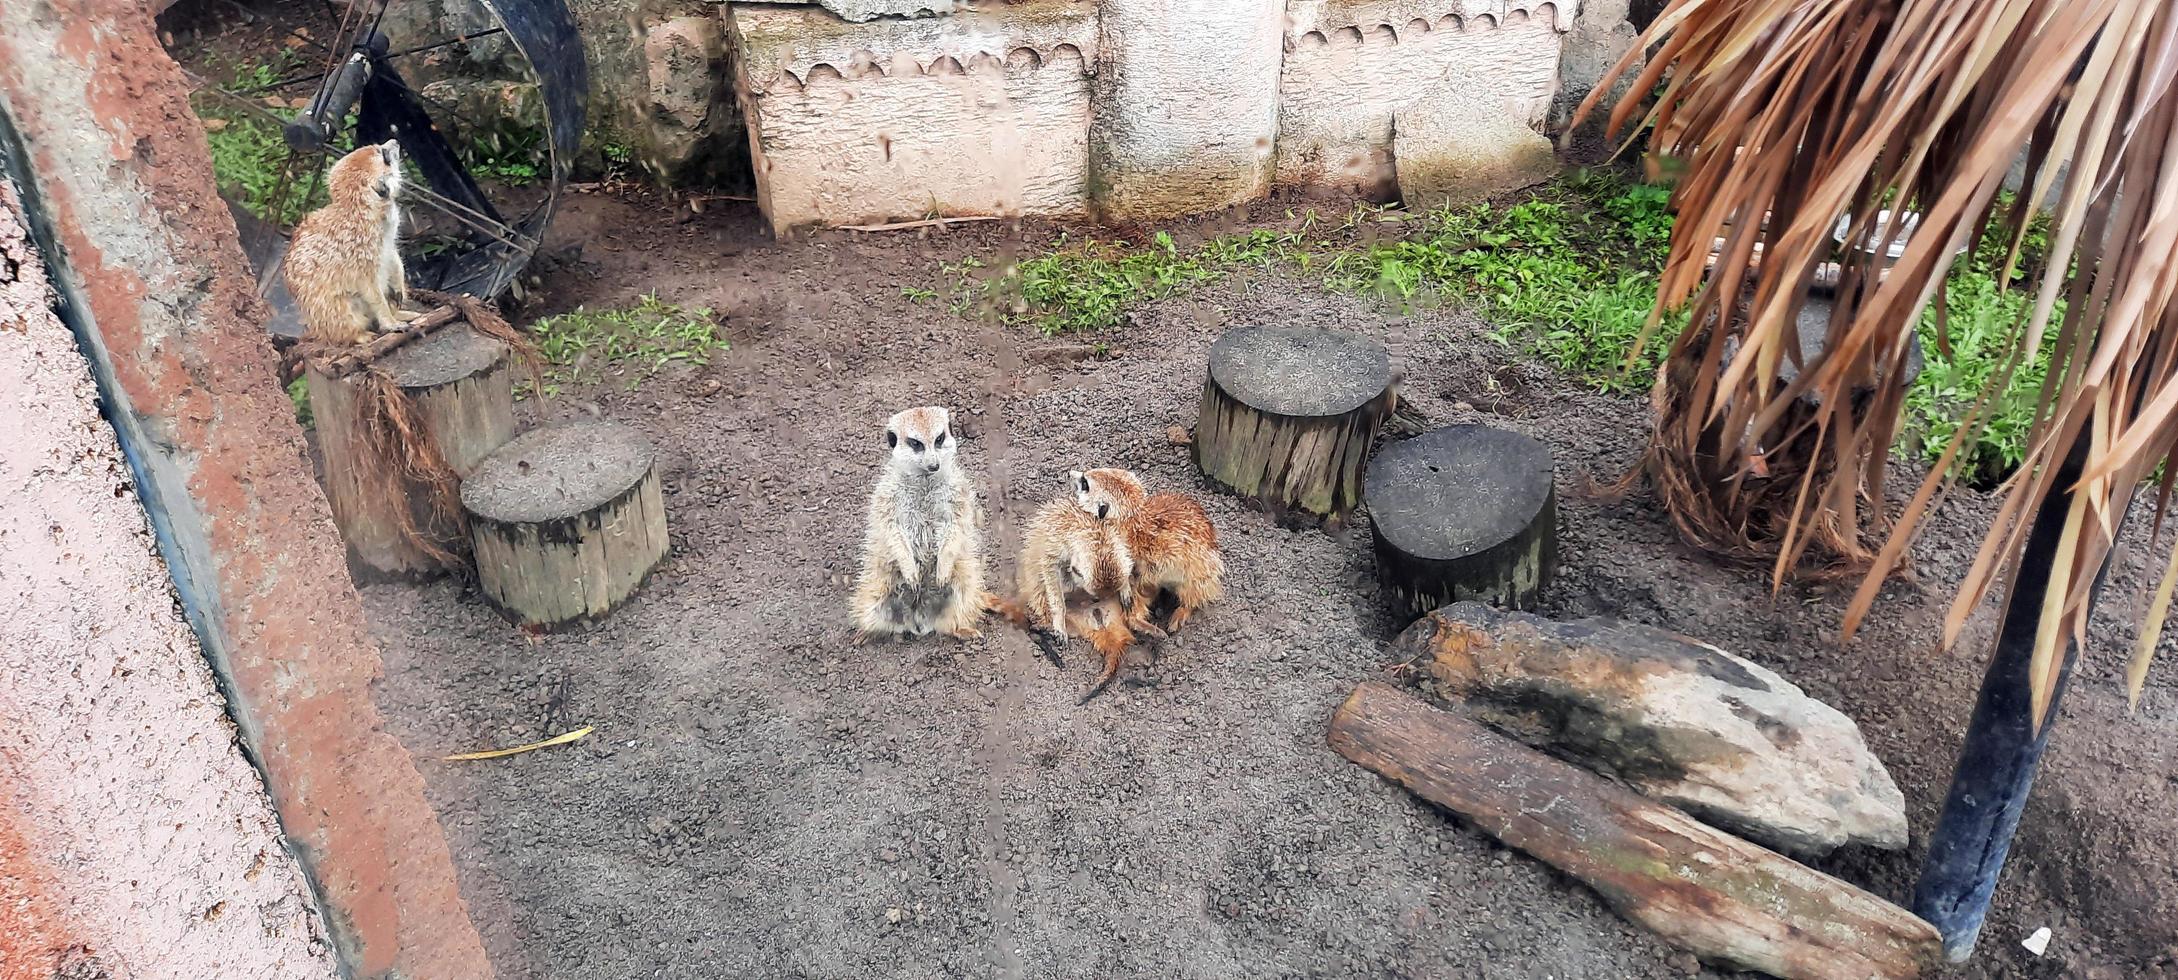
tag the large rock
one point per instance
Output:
(1677, 719)
(1459, 141)
(690, 117)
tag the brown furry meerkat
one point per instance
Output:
(1168, 537)
(922, 554)
(1065, 551)
(344, 265)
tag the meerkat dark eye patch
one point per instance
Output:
(915, 444)
(891, 439)
(1103, 510)
(939, 441)
(1084, 484)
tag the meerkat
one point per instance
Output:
(1066, 550)
(1168, 538)
(344, 265)
(922, 554)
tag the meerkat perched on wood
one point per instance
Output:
(1168, 537)
(344, 265)
(922, 554)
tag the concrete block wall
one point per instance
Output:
(1128, 109)
(1351, 64)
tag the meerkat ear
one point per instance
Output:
(892, 439)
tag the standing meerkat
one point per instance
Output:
(344, 265)
(922, 554)
(1168, 537)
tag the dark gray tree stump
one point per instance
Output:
(1288, 416)
(461, 384)
(1463, 512)
(566, 522)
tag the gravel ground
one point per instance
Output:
(760, 799)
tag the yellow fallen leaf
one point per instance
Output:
(572, 736)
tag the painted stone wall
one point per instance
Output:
(1131, 110)
(1350, 66)
(135, 840)
(1186, 109)
(977, 113)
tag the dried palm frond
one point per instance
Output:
(1790, 116)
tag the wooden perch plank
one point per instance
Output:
(1731, 902)
(383, 344)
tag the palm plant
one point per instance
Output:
(1789, 117)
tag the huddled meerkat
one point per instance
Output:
(344, 264)
(1168, 537)
(922, 554)
(1066, 550)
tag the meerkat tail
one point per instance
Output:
(1111, 641)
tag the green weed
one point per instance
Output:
(298, 391)
(1085, 287)
(1569, 275)
(630, 345)
(248, 151)
(513, 156)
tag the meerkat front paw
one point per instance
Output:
(1051, 644)
(406, 316)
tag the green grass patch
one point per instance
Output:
(1085, 286)
(1569, 276)
(1982, 321)
(514, 156)
(248, 151)
(627, 346)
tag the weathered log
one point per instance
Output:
(1730, 902)
(460, 386)
(1288, 417)
(565, 522)
(1463, 512)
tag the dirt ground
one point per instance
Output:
(760, 799)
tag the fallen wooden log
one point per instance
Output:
(1732, 903)
(367, 353)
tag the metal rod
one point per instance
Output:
(2002, 750)
(457, 39)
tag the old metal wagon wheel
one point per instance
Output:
(460, 236)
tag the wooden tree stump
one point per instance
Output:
(1731, 902)
(565, 522)
(1288, 416)
(462, 386)
(1463, 512)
